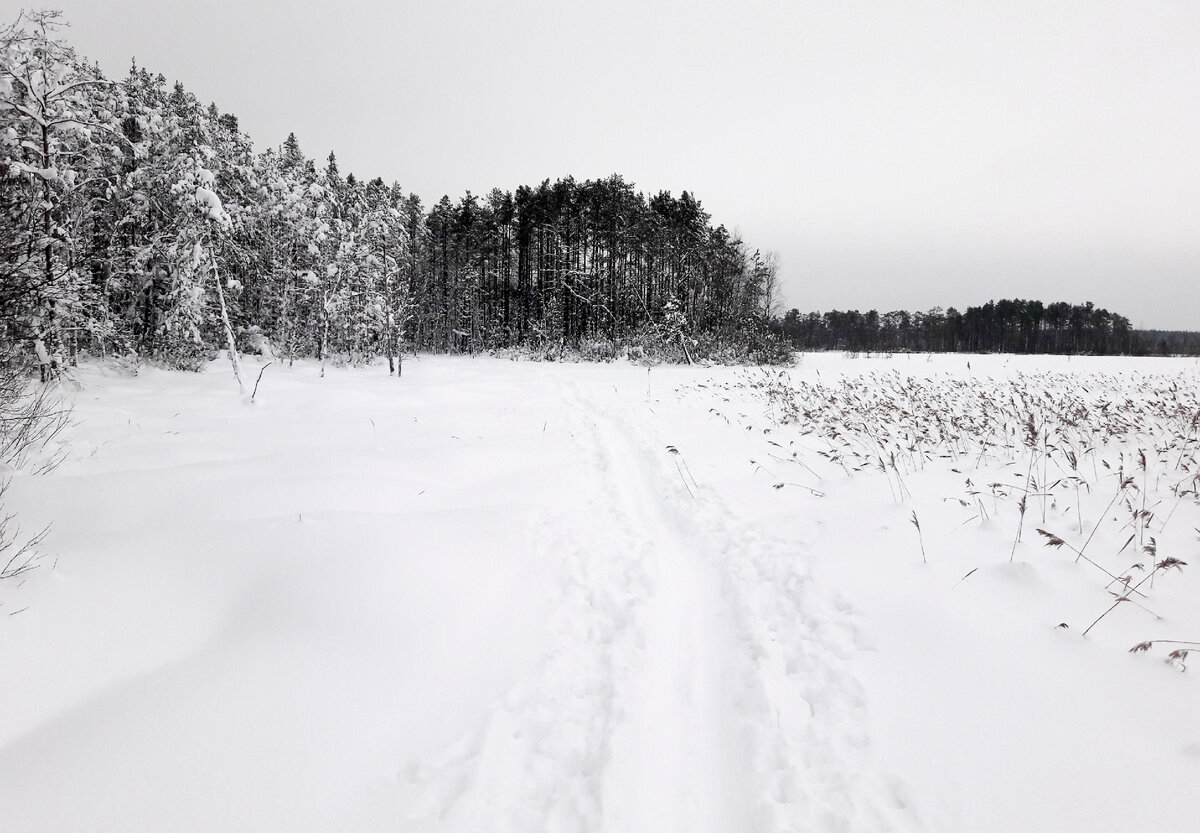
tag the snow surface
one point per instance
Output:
(508, 596)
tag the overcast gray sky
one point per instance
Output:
(896, 155)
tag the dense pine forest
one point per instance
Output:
(1006, 326)
(138, 222)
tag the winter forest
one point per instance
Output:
(138, 221)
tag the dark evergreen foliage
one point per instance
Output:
(1006, 326)
(1168, 342)
(135, 220)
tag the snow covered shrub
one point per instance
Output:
(551, 351)
(31, 416)
(658, 344)
(597, 350)
(18, 554)
(186, 355)
(652, 343)
(253, 341)
(514, 352)
(766, 347)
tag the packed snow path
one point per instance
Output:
(697, 681)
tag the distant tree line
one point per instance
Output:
(135, 220)
(1007, 326)
(1169, 342)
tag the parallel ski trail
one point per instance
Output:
(783, 701)
(540, 761)
(698, 681)
(677, 759)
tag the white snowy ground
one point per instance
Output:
(505, 596)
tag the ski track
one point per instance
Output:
(698, 681)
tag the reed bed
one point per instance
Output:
(1101, 468)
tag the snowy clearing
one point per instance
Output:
(512, 596)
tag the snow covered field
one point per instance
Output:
(511, 596)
